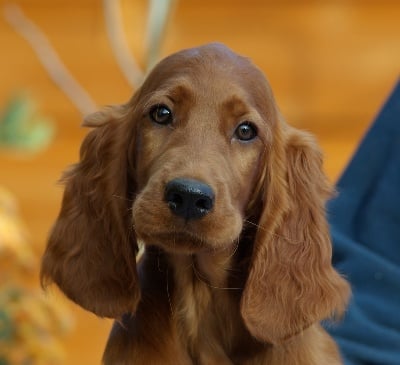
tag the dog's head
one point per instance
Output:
(205, 119)
(197, 153)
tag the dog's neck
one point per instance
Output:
(212, 268)
(199, 279)
(203, 296)
(203, 293)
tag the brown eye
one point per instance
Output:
(246, 131)
(160, 114)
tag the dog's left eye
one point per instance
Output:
(160, 114)
(246, 131)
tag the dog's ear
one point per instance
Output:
(91, 250)
(291, 282)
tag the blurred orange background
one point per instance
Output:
(331, 65)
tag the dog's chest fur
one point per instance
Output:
(200, 307)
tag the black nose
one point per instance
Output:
(189, 199)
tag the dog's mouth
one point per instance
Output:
(166, 229)
(186, 217)
(181, 241)
(177, 235)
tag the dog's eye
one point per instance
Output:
(246, 131)
(160, 114)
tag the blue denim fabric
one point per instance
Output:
(365, 228)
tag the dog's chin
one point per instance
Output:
(183, 242)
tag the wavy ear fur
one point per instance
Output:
(291, 282)
(91, 250)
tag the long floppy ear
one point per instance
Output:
(291, 282)
(91, 250)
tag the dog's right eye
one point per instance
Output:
(160, 114)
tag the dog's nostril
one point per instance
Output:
(204, 203)
(175, 201)
(190, 199)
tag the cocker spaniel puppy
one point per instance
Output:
(228, 201)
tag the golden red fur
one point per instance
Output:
(247, 282)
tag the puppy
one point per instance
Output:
(227, 199)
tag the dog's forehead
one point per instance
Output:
(214, 60)
(212, 69)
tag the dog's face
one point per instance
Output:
(198, 149)
(202, 134)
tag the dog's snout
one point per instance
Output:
(189, 199)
